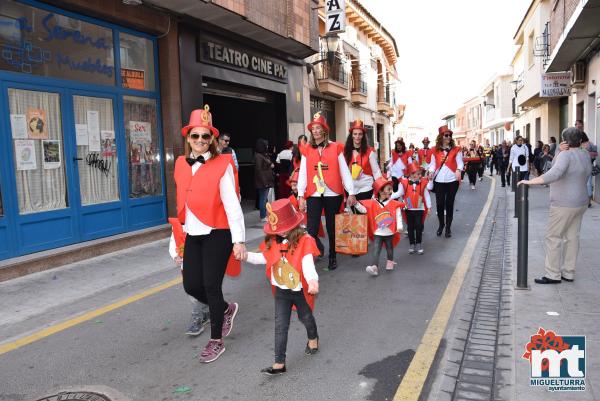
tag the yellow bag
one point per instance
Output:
(351, 233)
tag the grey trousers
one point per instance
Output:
(378, 243)
(562, 241)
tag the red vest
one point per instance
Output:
(306, 246)
(425, 155)
(363, 161)
(404, 156)
(414, 193)
(331, 167)
(377, 214)
(200, 192)
(450, 160)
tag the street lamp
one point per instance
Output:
(332, 41)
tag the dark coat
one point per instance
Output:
(263, 173)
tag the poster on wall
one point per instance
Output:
(109, 147)
(132, 79)
(51, 154)
(36, 123)
(18, 125)
(93, 128)
(140, 137)
(25, 154)
(81, 134)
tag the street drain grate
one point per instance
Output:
(76, 395)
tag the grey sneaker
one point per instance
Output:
(411, 249)
(420, 250)
(196, 328)
(212, 351)
(228, 319)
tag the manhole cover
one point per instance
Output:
(76, 395)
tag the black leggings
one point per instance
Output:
(414, 221)
(205, 260)
(472, 173)
(445, 192)
(314, 208)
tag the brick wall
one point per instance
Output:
(560, 15)
(286, 18)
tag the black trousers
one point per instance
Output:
(364, 195)
(472, 173)
(445, 192)
(414, 221)
(205, 260)
(314, 208)
(504, 174)
(284, 300)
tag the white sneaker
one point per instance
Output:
(411, 250)
(473, 187)
(480, 178)
(372, 270)
(420, 250)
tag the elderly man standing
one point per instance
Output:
(568, 203)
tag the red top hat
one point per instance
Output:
(320, 120)
(294, 177)
(282, 218)
(443, 129)
(380, 183)
(200, 118)
(289, 144)
(426, 139)
(412, 168)
(358, 124)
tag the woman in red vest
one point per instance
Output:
(323, 177)
(445, 171)
(424, 154)
(208, 206)
(401, 158)
(362, 161)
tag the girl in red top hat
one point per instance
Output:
(445, 172)
(289, 252)
(424, 154)
(323, 177)
(401, 158)
(385, 223)
(208, 206)
(415, 192)
(362, 161)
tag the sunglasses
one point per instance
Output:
(195, 136)
(447, 135)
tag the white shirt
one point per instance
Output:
(285, 154)
(364, 182)
(397, 169)
(385, 231)
(231, 204)
(445, 174)
(426, 197)
(344, 172)
(308, 269)
(515, 152)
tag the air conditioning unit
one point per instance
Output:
(578, 74)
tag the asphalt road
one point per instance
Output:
(369, 328)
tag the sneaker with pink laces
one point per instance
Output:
(372, 270)
(212, 351)
(228, 319)
(390, 265)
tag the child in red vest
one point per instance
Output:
(289, 252)
(415, 192)
(385, 222)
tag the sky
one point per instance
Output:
(449, 50)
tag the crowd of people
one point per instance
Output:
(324, 178)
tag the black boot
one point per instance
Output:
(332, 262)
(448, 228)
(441, 227)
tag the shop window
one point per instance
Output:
(96, 150)
(142, 147)
(39, 42)
(137, 62)
(38, 150)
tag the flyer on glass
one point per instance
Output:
(25, 154)
(36, 123)
(51, 154)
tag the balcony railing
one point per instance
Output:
(383, 93)
(359, 85)
(335, 71)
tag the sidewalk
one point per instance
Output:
(566, 308)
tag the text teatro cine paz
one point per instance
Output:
(243, 60)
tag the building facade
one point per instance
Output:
(497, 109)
(473, 123)
(356, 80)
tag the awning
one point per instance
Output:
(581, 34)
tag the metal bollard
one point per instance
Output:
(515, 180)
(523, 234)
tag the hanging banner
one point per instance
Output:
(25, 154)
(335, 16)
(556, 84)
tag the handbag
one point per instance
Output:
(437, 172)
(351, 233)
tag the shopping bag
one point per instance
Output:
(351, 233)
(271, 195)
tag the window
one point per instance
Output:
(38, 150)
(530, 49)
(96, 150)
(40, 42)
(137, 62)
(141, 136)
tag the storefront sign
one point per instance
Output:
(335, 13)
(556, 84)
(132, 79)
(242, 60)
